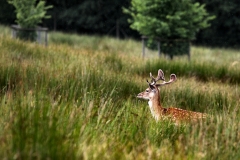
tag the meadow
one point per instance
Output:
(76, 99)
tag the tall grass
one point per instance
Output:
(75, 99)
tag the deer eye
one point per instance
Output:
(147, 90)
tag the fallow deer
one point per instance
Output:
(152, 94)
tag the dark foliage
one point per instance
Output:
(106, 17)
(225, 29)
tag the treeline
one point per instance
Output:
(105, 17)
(225, 29)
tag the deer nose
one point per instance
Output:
(139, 95)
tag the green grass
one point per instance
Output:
(76, 99)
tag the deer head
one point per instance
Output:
(152, 90)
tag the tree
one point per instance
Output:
(168, 19)
(225, 29)
(104, 17)
(7, 15)
(28, 15)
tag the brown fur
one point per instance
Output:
(177, 115)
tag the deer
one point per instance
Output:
(152, 94)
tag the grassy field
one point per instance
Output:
(76, 99)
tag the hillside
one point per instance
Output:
(76, 99)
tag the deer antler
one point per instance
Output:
(160, 76)
(173, 78)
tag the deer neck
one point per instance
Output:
(155, 106)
